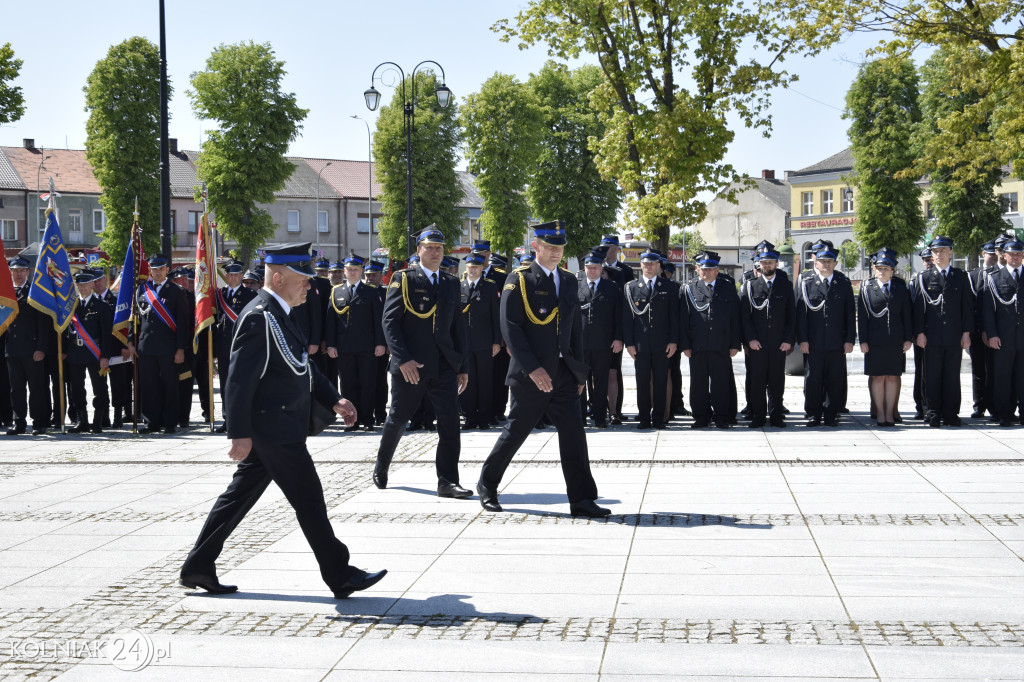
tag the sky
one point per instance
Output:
(330, 50)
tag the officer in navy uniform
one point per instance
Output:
(825, 329)
(329, 366)
(310, 318)
(373, 273)
(160, 347)
(543, 327)
(675, 365)
(355, 338)
(497, 270)
(768, 318)
(426, 334)
(186, 371)
(90, 352)
(480, 304)
(116, 373)
(982, 378)
(601, 310)
(919, 378)
(650, 333)
(619, 274)
(270, 388)
(29, 338)
(322, 284)
(710, 336)
(1003, 319)
(943, 322)
(231, 299)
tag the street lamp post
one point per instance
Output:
(369, 187)
(372, 96)
(317, 221)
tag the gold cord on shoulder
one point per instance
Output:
(529, 311)
(408, 306)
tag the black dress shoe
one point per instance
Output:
(588, 508)
(844, 410)
(414, 426)
(785, 410)
(756, 423)
(919, 415)
(488, 499)
(117, 424)
(616, 421)
(221, 429)
(980, 414)
(643, 425)
(448, 489)
(600, 424)
(658, 426)
(723, 425)
(700, 425)
(38, 430)
(208, 583)
(183, 425)
(832, 423)
(97, 428)
(360, 580)
(778, 423)
(683, 412)
(380, 481)
(350, 429)
(16, 430)
(934, 422)
(143, 430)
(469, 427)
(955, 422)
(500, 417)
(170, 429)
(813, 423)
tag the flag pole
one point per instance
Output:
(60, 335)
(135, 243)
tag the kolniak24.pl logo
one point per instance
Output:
(129, 651)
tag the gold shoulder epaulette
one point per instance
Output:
(521, 268)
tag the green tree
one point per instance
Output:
(672, 78)
(566, 183)
(502, 154)
(693, 240)
(882, 105)
(122, 98)
(436, 187)
(849, 255)
(243, 161)
(12, 102)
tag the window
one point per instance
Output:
(74, 225)
(929, 212)
(363, 224)
(826, 201)
(1, 202)
(293, 221)
(1008, 202)
(99, 220)
(42, 220)
(173, 221)
(321, 222)
(195, 218)
(9, 230)
(807, 199)
(848, 200)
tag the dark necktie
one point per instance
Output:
(826, 281)
(885, 289)
(768, 283)
(942, 277)
(433, 280)
(472, 289)
(1016, 276)
(593, 289)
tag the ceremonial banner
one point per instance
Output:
(126, 290)
(8, 296)
(53, 290)
(204, 282)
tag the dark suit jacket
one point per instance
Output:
(658, 326)
(834, 325)
(535, 345)
(601, 313)
(978, 279)
(31, 330)
(98, 319)
(717, 327)
(225, 328)
(1001, 320)
(882, 331)
(264, 398)
(437, 341)
(483, 314)
(358, 329)
(775, 324)
(155, 337)
(943, 324)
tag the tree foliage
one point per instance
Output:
(12, 102)
(693, 240)
(502, 131)
(566, 183)
(849, 255)
(882, 105)
(122, 98)
(672, 76)
(243, 161)
(436, 187)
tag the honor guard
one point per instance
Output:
(919, 393)
(498, 270)
(982, 379)
(709, 335)
(374, 274)
(601, 311)
(1003, 317)
(186, 370)
(323, 286)
(620, 274)
(943, 321)
(87, 341)
(336, 276)
(542, 325)
(426, 333)
(675, 369)
(119, 375)
(479, 304)
(231, 300)
(30, 337)
(826, 329)
(768, 320)
(650, 333)
(355, 338)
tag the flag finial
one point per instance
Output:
(136, 213)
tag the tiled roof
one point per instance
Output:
(472, 197)
(303, 182)
(183, 174)
(348, 178)
(843, 161)
(69, 169)
(9, 178)
(777, 191)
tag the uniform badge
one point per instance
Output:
(510, 286)
(394, 284)
(543, 310)
(423, 307)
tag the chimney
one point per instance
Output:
(768, 174)
(29, 143)
(172, 145)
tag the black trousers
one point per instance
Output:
(1008, 381)
(920, 398)
(53, 377)
(26, 373)
(158, 391)
(676, 373)
(380, 401)
(617, 366)
(982, 378)
(600, 363)
(766, 375)
(292, 469)
(185, 388)
(332, 372)
(710, 376)
(201, 376)
(442, 392)
(942, 379)
(499, 403)
(6, 413)
(824, 383)
(477, 399)
(358, 383)
(76, 396)
(646, 365)
(562, 405)
(121, 388)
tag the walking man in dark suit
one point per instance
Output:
(542, 325)
(601, 312)
(479, 303)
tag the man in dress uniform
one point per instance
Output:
(29, 338)
(374, 274)
(336, 277)
(186, 370)
(271, 385)
(497, 270)
(322, 284)
(619, 274)
(252, 280)
(355, 339)
(710, 336)
(650, 332)
(982, 379)
(119, 391)
(88, 344)
(943, 322)
(826, 329)
(426, 334)
(1003, 318)
(601, 311)
(768, 317)
(542, 325)
(479, 303)
(231, 299)
(160, 348)
(919, 378)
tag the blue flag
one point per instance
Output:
(53, 290)
(126, 293)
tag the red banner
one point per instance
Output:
(204, 282)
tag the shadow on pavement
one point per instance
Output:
(444, 607)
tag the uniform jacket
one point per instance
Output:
(155, 337)
(601, 313)
(265, 398)
(435, 341)
(534, 345)
(619, 274)
(775, 323)
(897, 325)
(225, 327)
(31, 329)
(353, 323)
(1004, 320)
(715, 328)
(834, 324)
(98, 319)
(483, 313)
(943, 323)
(978, 279)
(656, 322)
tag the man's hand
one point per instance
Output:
(38, 356)
(616, 346)
(323, 347)
(965, 340)
(688, 353)
(131, 351)
(995, 343)
(104, 364)
(906, 346)
(332, 352)
(805, 347)
(179, 356)
(495, 348)
(411, 371)
(632, 351)
(126, 354)
(463, 380)
(847, 348)
(864, 348)
(786, 347)
(347, 411)
(922, 340)
(579, 389)
(542, 379)
(313, 348)
(733, 352)
(670, 350)
(240, 448)
(378, 351)
(754, 345)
